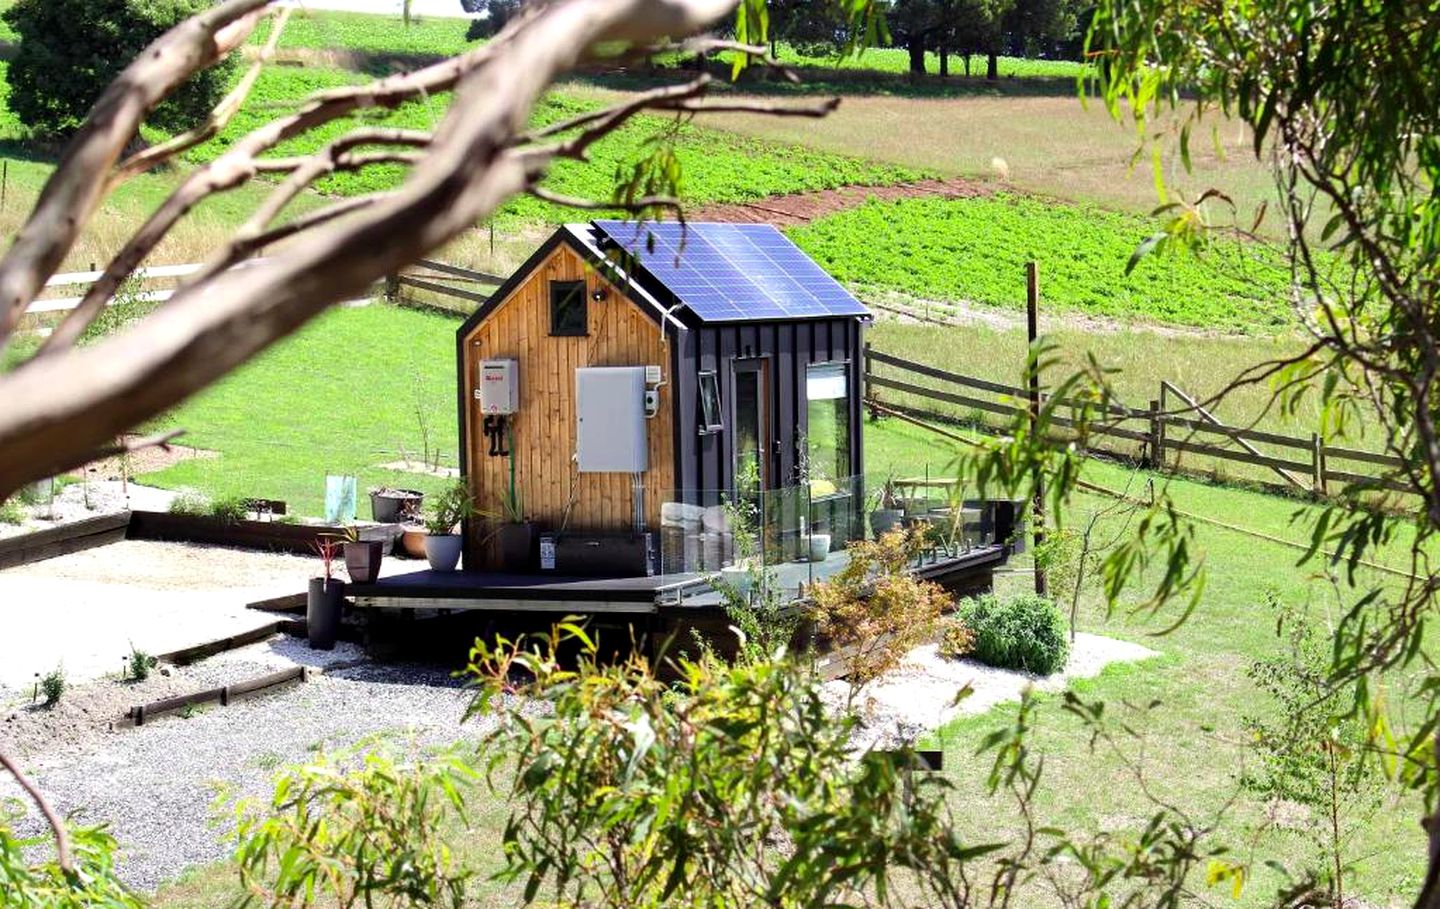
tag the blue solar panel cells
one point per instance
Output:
(733, 272)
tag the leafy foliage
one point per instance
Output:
(140, 664)
(975, 250)
(53, 685)
(957, 640)
(445, 509)
(1024, 632)
(367, 831)
(1312, 749)
(733, 787)
(875, 607)
(29, 881)
(71, 49)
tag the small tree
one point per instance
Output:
(70, 50)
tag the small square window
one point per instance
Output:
(710, 403)
(567, 308)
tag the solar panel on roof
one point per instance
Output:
(733, 272)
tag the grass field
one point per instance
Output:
(347, 393)
(355, 398)
(975, 250)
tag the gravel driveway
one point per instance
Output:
(156, 785)
(85, 610)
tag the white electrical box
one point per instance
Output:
(610, 419)
(499, 389)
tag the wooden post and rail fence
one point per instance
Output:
(1159, 436)
(156, 283)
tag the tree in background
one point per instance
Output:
(70, 50)
(989, 27)
(497, 13)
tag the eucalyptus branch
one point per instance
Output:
(57, 826)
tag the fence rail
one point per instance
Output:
(424, 274)
(1160, 431)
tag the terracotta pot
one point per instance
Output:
(412, 541)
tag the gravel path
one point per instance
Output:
(87, 609)
(920, 694)
(156, 785)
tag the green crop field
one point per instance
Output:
(975, 250)
(716, 166)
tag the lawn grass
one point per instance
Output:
(371, 33)
(341, 396)
(975, 250)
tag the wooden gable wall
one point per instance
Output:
(620, 334)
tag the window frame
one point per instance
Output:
(843, 440)
(558, 287)
(705, 413)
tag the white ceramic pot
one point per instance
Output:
(819, 547)
(443, 551)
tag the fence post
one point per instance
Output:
(869, 393)
(392, 288)
(1032, 332)
(1156, 456)
(1317, 464)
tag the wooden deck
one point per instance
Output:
(450, 591)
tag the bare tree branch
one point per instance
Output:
(73, 192)
(57, 826)
(218, 119)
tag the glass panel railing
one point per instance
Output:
(797, 535)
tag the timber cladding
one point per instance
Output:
(619, 334)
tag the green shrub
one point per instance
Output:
(140, 664)
(53, 686)
(1026, 632)
(190, 502)
(71, 49)
(956, 640)
(11, 512)
(230, 508)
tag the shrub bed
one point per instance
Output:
(1026, 632)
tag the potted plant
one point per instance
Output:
(515, 538)
(444, 514)
(390, 506)
(819, 547)
(412, 530)
(887, 514)
(362, 557)
(326, 598)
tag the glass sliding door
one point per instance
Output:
(752, 427)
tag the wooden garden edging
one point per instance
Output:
(244, 534)
(223, 695)
(1304, 464)
(64, 539)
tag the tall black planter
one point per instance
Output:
(322, 613)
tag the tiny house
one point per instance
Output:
(631, 383)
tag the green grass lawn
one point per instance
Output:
(975, 250)
(366, 32)
(342, 396)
